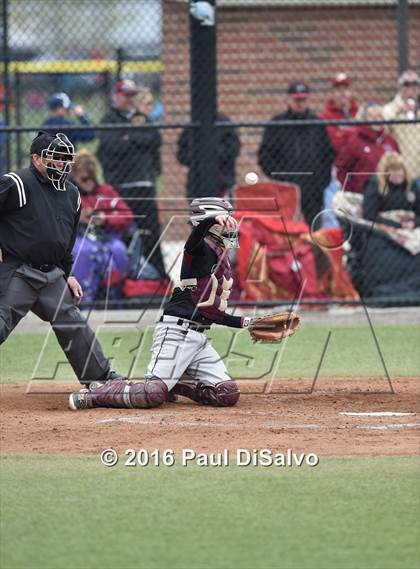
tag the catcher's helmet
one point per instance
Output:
(57, 156)
(203, 208)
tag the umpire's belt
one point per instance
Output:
(16, 262)
(44, 268)
(188, 324)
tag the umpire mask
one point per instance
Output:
(58, 160)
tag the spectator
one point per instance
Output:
(299, 154)
(390, 189)
(405, 105)
(148, 105)
(99, 250)
(131, 163)
(340, 105)
(227, 148)
(60, 107)
(360, 154)
(388, 258)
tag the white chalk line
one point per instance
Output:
(389, 426)
(228, 425)
(376, 414)
(145, 421)
(163, 420)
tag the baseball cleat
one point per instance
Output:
(112, 376)
(95, 385)
(172, 397)
(74, 401)
(80, 400)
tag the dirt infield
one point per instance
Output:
(40, 422)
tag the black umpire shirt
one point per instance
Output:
(37, 222)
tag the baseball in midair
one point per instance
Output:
(251, 178)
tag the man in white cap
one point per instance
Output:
(340, 105)
(405, 105)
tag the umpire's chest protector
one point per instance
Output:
(40, 228)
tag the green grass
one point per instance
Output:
(351, 352)
(71, 512)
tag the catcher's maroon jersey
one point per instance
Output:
(206, 281)
(211, 292)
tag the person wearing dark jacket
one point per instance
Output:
(39, 216)
(227, 147)
(385, 268)
(60, 106)
(299, 154)
(391, 189)
(131, 163)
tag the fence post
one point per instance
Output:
(402, 21)
(18, 118)
(107, 88)
(120, 60)
(203, 105)
(6, 60)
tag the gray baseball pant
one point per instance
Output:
(182, 355)
(49, 297)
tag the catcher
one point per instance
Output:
(183, 361)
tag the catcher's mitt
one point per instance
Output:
(274, 327)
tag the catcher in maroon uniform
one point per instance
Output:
(183, 361)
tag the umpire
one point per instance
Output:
(39, 215)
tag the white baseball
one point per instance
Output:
(251, 178)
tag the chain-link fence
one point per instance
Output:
(167, 101)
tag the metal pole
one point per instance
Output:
(18, 118)
(120, 60)
(6, 80)
(107, 89)
(402, 20)
(203, 106)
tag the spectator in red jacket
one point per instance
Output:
(340, 106)
(101, 255)
(360, 154)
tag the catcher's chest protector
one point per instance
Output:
(210, 291)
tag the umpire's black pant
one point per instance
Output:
(48, 296)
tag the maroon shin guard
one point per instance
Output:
(224, 394)
(126, 394)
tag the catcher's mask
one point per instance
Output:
(58, 160)
(203, 208)
(228, 237)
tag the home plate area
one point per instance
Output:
(340, 417)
